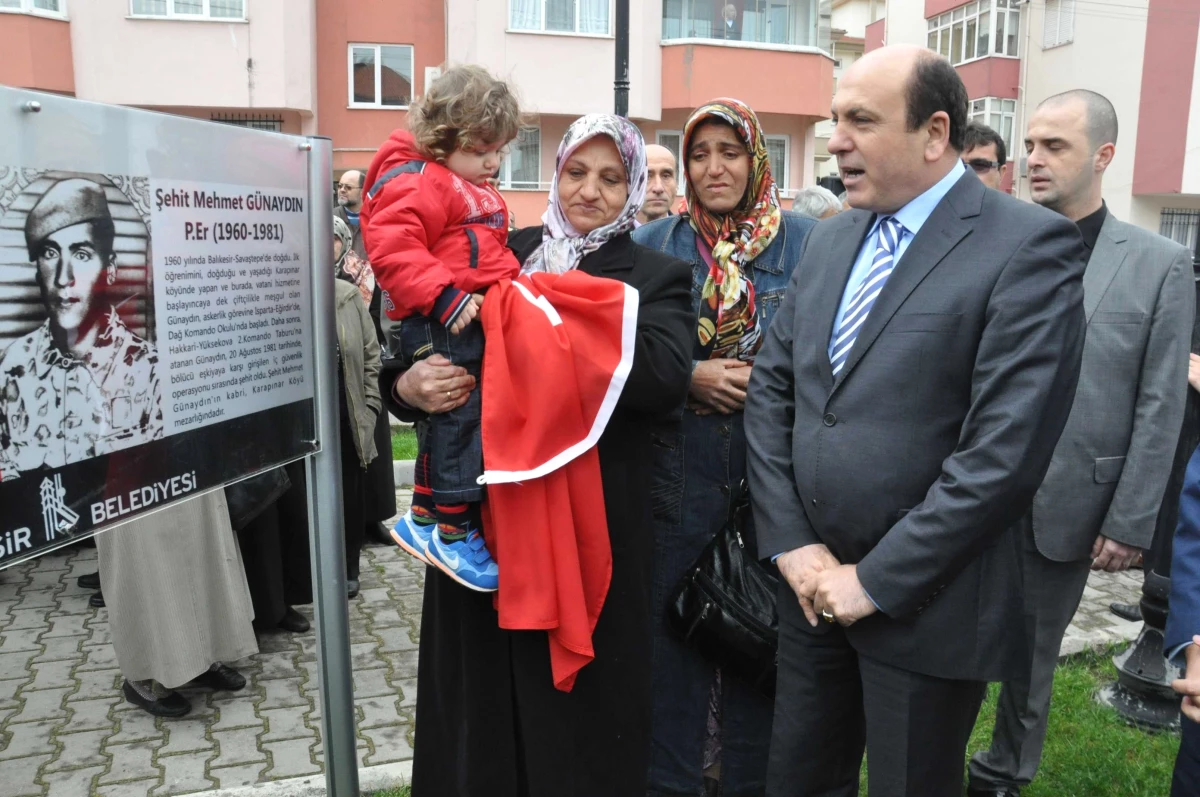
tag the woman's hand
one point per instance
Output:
(1189, 685)
(1194, 371)
(434, 385)
(720, 385)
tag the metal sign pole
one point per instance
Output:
(325, 496)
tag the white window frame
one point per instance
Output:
(27, 7)
(506, 165)
(543, 32)
(1058, 23)
(783, 180)
(995, 105)
(205, 16)
(378, 103)
(960, 16)
(680, 159)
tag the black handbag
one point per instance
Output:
(248, 498)
(724, 605)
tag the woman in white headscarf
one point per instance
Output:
(489, 720)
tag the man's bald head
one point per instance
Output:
(350, 190)
(662, 183)
(1100, 114)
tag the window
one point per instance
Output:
(252, 121)
(777, 154)
(47, 8)
(190, 9)
(997, 114)
(1183, 227)
(968, 32)
(1059, 26)
(589, 17)
(673, 140)
(380, 75)
(522, 167)
(786, 22)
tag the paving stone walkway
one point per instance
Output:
(66, 731)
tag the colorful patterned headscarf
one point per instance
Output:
(728, 326)
(562, 245)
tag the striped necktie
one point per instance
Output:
(887, 241)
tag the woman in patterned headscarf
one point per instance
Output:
(706, 726)
(489, 720)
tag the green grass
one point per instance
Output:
(1089, 751)
(404, 446)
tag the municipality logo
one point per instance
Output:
(56, 515)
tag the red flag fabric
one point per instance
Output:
(559, 349)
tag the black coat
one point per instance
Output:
(489, 721)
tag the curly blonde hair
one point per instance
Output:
(464, 105)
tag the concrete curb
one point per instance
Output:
(370, 780)
(402, 471)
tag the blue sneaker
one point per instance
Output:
(466, 561)
(414, 537)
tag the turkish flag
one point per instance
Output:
(559, 349)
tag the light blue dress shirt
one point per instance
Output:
(912, 217)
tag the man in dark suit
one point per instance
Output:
(900, 417)
(1098, 506)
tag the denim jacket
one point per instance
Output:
(770, 272)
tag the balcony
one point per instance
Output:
(778, 23)
(36, 53)
(798, 81)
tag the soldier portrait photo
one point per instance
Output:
(82, 382)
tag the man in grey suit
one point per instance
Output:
(1099, 502)
(900, 417)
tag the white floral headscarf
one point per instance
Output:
(562, 245)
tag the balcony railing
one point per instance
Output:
(795, 23)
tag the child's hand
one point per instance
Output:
(469, 313)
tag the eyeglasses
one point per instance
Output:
(982, 166)
(344, 187)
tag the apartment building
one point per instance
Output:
(349, 69)
(1141, 54)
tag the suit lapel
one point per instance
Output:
(940, 233)
(842, 256)
(1106, 260)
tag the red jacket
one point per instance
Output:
(432, 238)
(544, 515)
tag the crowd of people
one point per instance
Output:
(948, 407)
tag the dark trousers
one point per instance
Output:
(453, 440)
(275, 553)
(1186, 782)
(831, 702)
(1052, 594)
(380, 481)
(354, 493)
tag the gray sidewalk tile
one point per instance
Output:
(131, 762)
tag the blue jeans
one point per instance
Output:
(1186, 781)
(695, 473)
(453, 439)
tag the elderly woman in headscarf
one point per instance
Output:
(709, 728)
(490, 722)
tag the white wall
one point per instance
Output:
(560, 74)
(905, 22)
(168, 63)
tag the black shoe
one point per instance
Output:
(1127, 611)
(170, 704)
(89, 581)
(352, 588)
(294, 622)
(220, 678)
(379, 534)
(994, 791)
(97, 600)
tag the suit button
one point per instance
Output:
(724, 431)
(724, 489)
(814, 502)
(830, 419)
